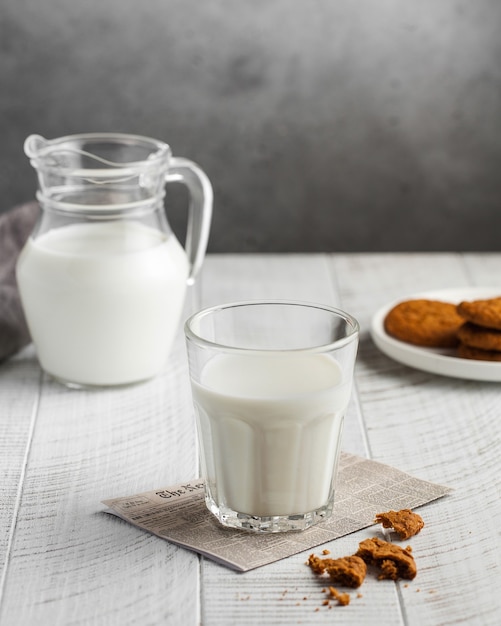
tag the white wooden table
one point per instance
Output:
(65, 562)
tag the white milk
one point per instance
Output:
(271, 430)
(103, 300)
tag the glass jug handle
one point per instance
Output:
(200, 210)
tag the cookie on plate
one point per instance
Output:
(422, 322)
(467, 352)
(482, 312)
(480, 337)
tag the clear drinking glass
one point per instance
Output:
(271, 381)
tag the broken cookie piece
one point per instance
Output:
(404, 522)
(348, 571)
(393, 561)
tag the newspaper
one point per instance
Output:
(178, 514)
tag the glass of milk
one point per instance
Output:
(102, 278)
(271, 381)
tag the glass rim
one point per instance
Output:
(191, 335)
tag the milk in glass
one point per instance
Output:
(270, 428)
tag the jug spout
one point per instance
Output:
(34, 144)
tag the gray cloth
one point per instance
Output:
(15, 228)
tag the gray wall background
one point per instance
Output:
(329, 125)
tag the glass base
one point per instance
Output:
(272, 524)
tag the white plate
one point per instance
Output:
(437, 360)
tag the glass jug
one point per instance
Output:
(102, 278)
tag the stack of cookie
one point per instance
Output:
(480, 335)
(474, 327)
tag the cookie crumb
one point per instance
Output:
(342, 598)
(405, 522)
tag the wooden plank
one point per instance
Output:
(71, 563)
(274, 594)
(483, 269)
(442, 429)
(287, 592)
(230, 277)
(19, 388)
